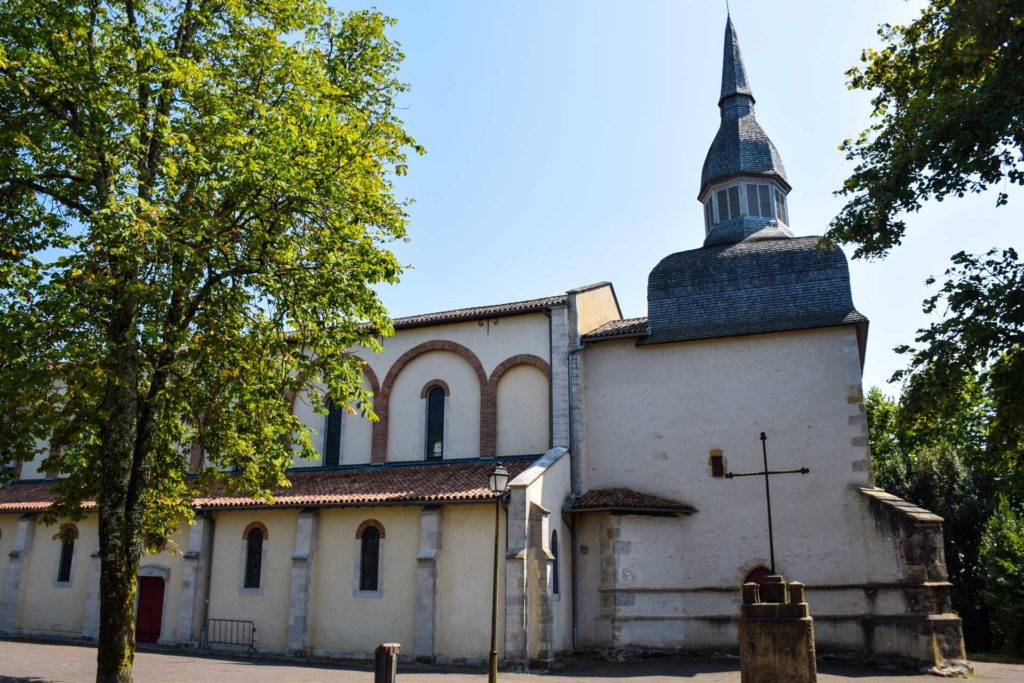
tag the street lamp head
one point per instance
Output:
(498, 481)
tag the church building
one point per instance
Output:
(621, 527)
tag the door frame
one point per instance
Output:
(155, 570)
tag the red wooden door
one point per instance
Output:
(151, 609)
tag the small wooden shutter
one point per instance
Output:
(332, 440)
(435, 424)
(254, 558)
(369, 559)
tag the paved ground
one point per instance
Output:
(22, 662)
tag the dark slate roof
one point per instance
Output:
(480, 312)
(750, 287)
(628, 327)
(734, 73)
(627, 500)
(741, 145)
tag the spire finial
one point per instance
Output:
(734, 73)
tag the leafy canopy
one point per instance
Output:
(193, 195)
(949, 110)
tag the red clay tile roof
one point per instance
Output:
(627, 500)
(480, 312)
(30, 496)
(444, 482)
(627, 327)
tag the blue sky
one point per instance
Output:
(565, 141)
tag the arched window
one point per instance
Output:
(435, 423)
(68, 534)
(555, 587)
(332, 435)
(254, 537)
(369, 556)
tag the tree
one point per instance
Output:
(194, 194)
(949, 104)
(1002, 552)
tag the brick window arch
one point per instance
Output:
(256, 525)
(367, 524)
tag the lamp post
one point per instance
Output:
(497, 482)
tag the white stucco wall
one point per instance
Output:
(652, 416)
(49, 606)
(344, 622)
(524, 411)
(268, 605)
(465, 570)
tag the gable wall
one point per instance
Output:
(654, 413)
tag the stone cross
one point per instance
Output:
(766, 473)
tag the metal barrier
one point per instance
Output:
(229, 632)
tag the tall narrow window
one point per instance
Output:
(435, 424)
(332, 435)
(68, 535)
(253, 558)
(708, 213)
(369, 559)
(555, 587)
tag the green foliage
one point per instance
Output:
(194, 196)
(978, 346)
(940, 468)
(947, 104)
(1002, 554)
(221, 171)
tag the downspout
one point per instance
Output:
(570, 522)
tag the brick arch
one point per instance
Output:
(435, 383)
(379, 447)
(489, 398)
(370, 523)
(256, 525)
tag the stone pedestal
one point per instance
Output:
(776, 634)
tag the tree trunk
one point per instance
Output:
(120, 516)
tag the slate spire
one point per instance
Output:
(734, 73)
(740, 157)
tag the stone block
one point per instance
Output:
(776, 634)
